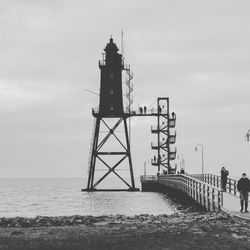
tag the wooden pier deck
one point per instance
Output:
(231, 204)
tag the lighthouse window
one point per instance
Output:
(111, 74)
(111, 91)
(111, 107)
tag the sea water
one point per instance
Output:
(63, 197)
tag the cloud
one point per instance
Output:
(195, 52)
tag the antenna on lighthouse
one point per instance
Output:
(122, 43)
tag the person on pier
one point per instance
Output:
(224, 173)
(159, 109)
(182, 171)
(154, 158)
(243, 186)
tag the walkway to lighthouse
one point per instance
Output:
(203, 189)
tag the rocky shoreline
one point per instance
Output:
(45, 221)
(184, 230)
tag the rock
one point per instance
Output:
(115, 222)
(101, 223)
(16, 232)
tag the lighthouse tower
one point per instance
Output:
(111, 103)
(112, 117)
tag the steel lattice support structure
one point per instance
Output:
(97, 153)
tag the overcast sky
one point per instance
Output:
(195, 52)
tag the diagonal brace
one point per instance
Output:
(109, 133)
(110, 170)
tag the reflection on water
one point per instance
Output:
(56, 197)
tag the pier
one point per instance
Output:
(203, 189)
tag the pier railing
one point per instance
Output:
(145, 178)
(215, 180)
(208, 196)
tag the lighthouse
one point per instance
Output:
(111, 115)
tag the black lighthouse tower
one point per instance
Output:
(111, 116)
(111, 103)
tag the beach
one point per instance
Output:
(185, 230)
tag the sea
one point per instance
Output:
(30, 197)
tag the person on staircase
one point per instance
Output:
(243, 186)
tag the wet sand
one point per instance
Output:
(184, 230)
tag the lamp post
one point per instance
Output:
(182, 162)
(202, 159)
(145, 167)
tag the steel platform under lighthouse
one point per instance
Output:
(110, 116)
